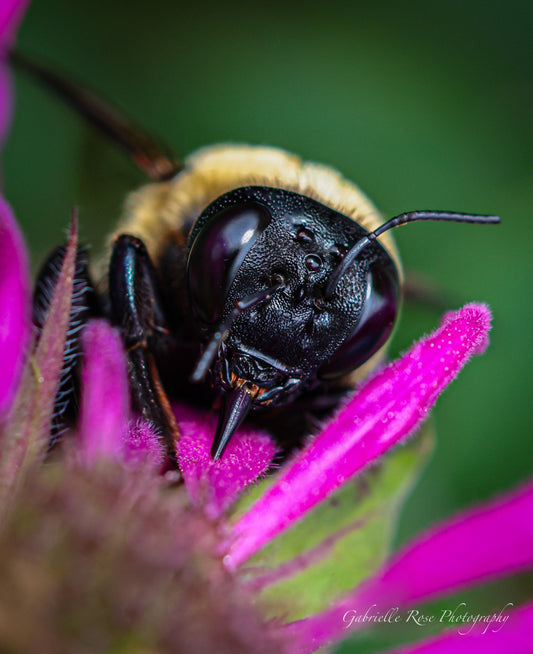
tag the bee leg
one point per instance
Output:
(136, 310)
(84, 305)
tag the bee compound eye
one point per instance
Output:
(217, 253)
(374, 326)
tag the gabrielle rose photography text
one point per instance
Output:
(460, 615)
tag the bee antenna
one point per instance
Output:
(223, 328)
(402, 219)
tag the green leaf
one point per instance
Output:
(342, 541)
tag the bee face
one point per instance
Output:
(251, 238)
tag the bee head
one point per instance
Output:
(259, 270)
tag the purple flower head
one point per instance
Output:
(99, 551)
(109, 440)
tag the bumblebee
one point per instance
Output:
(252, 274)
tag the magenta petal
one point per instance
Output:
(105, 393)
(384, 411)
(142, 445)
(510, 632)
(11, 13)
(492, 540)
(216, 484)
(15, 301)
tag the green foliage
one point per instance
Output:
(344, 539)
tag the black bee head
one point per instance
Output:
(259, 265)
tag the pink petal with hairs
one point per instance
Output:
(105, 395)
(142, 445)
(216, 484)
(386, 410)
(15, 301)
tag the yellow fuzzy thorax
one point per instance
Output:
(160, 211)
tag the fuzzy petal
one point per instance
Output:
(51, 348)
(216, 484)
(142, 445)
(35, 404)
(384, 411)
(30, 418)
(514, 636)
(105, 394)
(492, 540)
(15, 299)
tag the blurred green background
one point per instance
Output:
(424, 105)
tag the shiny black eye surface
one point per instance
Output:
(217, 252)
(373, 328)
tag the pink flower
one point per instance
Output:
(491, 541)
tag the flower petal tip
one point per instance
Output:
(105, 393)
(15, 301)
(473, 319)
(141, 445)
